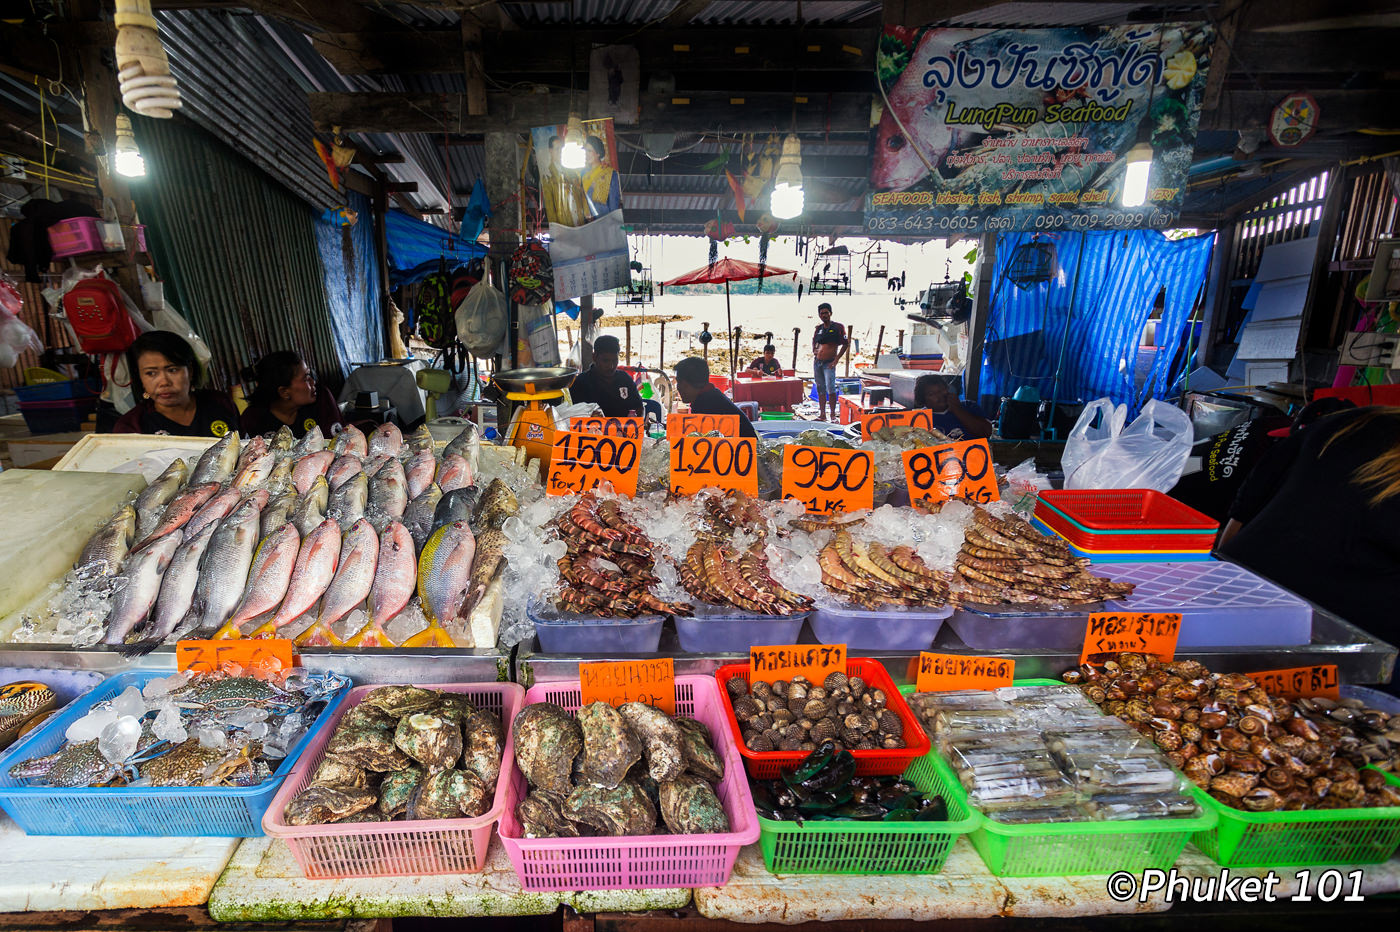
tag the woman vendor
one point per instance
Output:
(287, 396)
(959, 420)
(166, 369)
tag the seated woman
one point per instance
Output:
(287, 396)
(768, 363)
(166, 370)
(954, 418)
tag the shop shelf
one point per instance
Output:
(890, 627)
(1125, 519)
(767, 765)
(713, 630)
(568, 633)
(385, 849)
(195, 811)
(820, 847)
(1299, 839)
(986, 629)
(58, 391)
(643, 861)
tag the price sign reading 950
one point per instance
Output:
(607, 426)
(952, 470)
(678, 425)
(828, 480)
(618, 682)
(713, 463)
(1301, 682)
(870, 423)
(580, 461)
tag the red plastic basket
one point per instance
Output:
(1125, 519)
(768, 765)
(388, 849)
(638, 862)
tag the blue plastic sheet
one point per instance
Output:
(416, 249)
(351, 271)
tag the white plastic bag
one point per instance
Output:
(482, 319)
(167, 318)
(1149, 453)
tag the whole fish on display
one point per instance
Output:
(457, 505)
(350, 440)
(315, 567)
(277, 512)
(309, 468)
(387, 440)
(454, 472)
(132, 604)
(311, 506)
(419, 472)
(418, 516)
(342, 469)
(254, 448)
(359, 556)
(184, 507)
(224, 570)
(218, 462)
(108, 546)
(177, 589)
(444, 576)
(348, 502)
(151, 503)
(420, 439)
(268, 579)
(313, 441)
(466, 444)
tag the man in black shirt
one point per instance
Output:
(604, 385)
(693, 383)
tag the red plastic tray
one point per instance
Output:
(1125, 519)
(767, 765)
(1123, 543)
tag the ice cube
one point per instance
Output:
(91, 725)
(257, 730)
(119, 739)
(515, 529)
(160, 687)
(168, 726)
(210, 736)
(130, 702)
(245, 717)
(88, 635)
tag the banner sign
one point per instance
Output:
(1028, 129)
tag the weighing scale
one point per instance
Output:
(534, 392)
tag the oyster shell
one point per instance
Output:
(700, 756)
(484, 745)
(368, 716)
(620, 810)
(367, 745)
(454, 707)
(396, 790)
(690, 807)
(399, 701)
(547, 739)
(434, 742)
(662, 740)
(609, 746)
(320, 803)
(449, 794)
(338, 772)
(541, 815)
(368, 815)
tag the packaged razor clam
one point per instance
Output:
(969, 699)
(973, 749)
(991, 793)
(1124, 807)
(1108, 763)
(1037, 815)
(1056, 693)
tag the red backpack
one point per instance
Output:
(96, 310)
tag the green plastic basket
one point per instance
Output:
(775, 415)
(873, 847)
(1299, 839)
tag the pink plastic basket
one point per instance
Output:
(641, 861)
(385, 849)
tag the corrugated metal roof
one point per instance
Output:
(719, 12)
(1048, 14)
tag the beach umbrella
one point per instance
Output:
(726, 271)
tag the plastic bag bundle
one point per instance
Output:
(1150, 453)
(16, 336)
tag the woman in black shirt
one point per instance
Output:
(165, 370)
(287, 396)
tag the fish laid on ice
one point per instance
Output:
(454, 472)
(344, 468)
(490, 558)
(132, 603)
(255, 474)
(179, 512)
(445, 571)
(176, 591)
(254, 448)
(348, 502)
(216, 509)
(419, 472)
(311, 506)
(268, 579)
(418, 516)
(218, 462)
(394, 580)
(277, 513)
(280, 478)
(313, 441)
(466, 444)
(359, 556)
(497, 503)
(387, 440)
(420, 440)
(457, 505)
(224, 570)
(311, 467)
(150, 504)
(315, 567)
(108, 546)
(351, 440)
(283, 440)
(388, 490)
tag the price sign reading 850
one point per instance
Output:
(827, 480)
(583, 461)
(952, 470)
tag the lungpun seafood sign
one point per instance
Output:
(1029, 129)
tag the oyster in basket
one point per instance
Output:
(700, 756)
(541, 815)
(338, 772)
(399, 701)
(434, 742)
(454, 707)
(320, 803)
(621, 810)
(485, 742)
(547, 739)
(690, 807)
(396, 790)
(609, 747)
(449, 794)
(662, 740)
(366, 743)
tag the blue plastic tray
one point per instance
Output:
(193, 811)
(567, 633)
(716, 630)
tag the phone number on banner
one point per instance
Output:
(930, 223)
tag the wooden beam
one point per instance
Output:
(473, 66)
(28, 50)
(1226, 28)
(1331, 51)
(401, 187)
(691, 163)
(372, 158)
(319, 15)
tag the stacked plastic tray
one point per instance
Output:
(1126, 525)
(714, 629)
(889, 627)
(571, 633)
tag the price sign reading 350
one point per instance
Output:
(713, 463)
(580, 461)
(952, 470)
(828, 480)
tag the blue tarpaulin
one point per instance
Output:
(351, 271)
(1121, 276)
(417, 248)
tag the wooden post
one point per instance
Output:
(587, 331)
(734, 339)
(901, 341)
(503, 190)
(661, 359)
(628, 327)
(381, 251)
(796, 339)
(879, 342)
(704, 327)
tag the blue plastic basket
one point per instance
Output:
(192, 811)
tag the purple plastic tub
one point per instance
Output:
(717, 631)
(567, 633)
(890, 628)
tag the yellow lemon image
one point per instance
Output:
(1181, 68)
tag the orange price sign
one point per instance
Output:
(1140, 632)
(583, 461)
(608, 426)
(713, 463)
(618, 682)
(1301, 682)
(251, 654)
(783, 662)
(947, 672)
(952, 470)
(678, 425)
(825, 479)
(870, 423)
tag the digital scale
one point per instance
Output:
(534, 393)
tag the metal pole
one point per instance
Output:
(796, 339)
(705, 328)
(1064, 341)
(661, 359)
(729, 320)
(879, 342)
(901, 341)
(628, 327)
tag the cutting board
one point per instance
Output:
(48, 517)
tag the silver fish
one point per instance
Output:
(310, 509)
(178, 513)
(420, 471)
(277, 513)
(132, 603)
(445, 570)
(218, 462)
(374, 463)
(108, 546)
(394, 575)
(269, 576)
(314, 569)
(388, 490)
(176, 589)
(280, 479)
(457, 505)
(150, 504)
(418, 516)
(313, 441)
(282, 440)
(350, 440)
(348, 502)
(344, 468)
(420, 440)
(387, 440)
(224, 569)
(216, 509)
(254, 475)
(466, 444)
(309, 467)
(254, 448)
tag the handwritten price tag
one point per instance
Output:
(250, 654)
(678, 425)
(825, 480)
(947, 672)
(607, 426)
(582, 461)
(783, 662)
(952, 470)
(618, 682)
(713, 463)
(1301, 682)
(1140, 632)
(870, 423)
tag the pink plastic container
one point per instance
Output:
(640, 861)
(387, 849)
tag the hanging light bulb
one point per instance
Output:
(788, 199)
(571, 156)
(143, 70)
(1139, 165)
(126, 157)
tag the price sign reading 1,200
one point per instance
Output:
(827, 480)
(952, 470)
(715, 463)
(581, 461)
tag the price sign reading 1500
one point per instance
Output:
(827, 480)
(581, 461)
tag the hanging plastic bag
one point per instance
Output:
(482, 319)
(16, 336)
(1149, 453)
(167, 318)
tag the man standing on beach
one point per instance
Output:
(829, 344)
